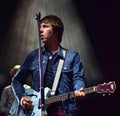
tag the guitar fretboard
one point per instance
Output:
(90, 89)
(68, 95)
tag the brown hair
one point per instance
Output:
(56, 23)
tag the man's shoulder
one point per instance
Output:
(33, 53)
(71, 51)
(7, 87)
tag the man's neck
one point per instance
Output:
(52, 49)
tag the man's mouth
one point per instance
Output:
(41, 36)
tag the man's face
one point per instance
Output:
(46, 32)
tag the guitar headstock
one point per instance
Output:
(106, 87)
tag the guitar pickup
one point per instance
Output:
(30, 95)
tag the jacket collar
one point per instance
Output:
(59, 53)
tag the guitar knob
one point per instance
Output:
(103, 95)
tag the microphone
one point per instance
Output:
(38, 16)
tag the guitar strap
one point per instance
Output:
(58, 72)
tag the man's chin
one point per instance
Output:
(44, 41)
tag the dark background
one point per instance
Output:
(102, 21)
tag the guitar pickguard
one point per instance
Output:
(17, 110)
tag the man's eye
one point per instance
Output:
(45, 26)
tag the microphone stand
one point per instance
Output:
(41, 101)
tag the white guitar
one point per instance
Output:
(17, 110)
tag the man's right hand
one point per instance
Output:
(26, 103)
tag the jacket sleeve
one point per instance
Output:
(19, 79)
(78, 73)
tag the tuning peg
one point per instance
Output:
(103, 95)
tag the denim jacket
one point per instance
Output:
(72, 74)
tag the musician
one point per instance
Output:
(7, 96)
(72, 74)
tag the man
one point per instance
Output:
(72, 75)
(7, 96)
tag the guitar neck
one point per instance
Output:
(90, 89)
(68, 95)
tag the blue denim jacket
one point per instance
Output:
(72, 75)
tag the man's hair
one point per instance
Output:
(56, 23)
(14, 70)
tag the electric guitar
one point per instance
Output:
(17, 110)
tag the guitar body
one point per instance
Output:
(17, 110)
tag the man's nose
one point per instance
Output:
(41, 29)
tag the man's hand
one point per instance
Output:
(80, 94)
(26, 103)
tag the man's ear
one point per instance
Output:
(56, 33)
